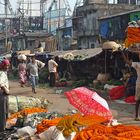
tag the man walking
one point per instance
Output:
(33, 68)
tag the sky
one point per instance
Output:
(14, 3)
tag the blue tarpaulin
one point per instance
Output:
(104, 27)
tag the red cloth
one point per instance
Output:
(4, 62)
(133, 34)
(117, 92)
(61, 84)
(130, 99)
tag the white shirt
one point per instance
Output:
(52, 65)
(4, 80)
(136, 66)
(33, 67)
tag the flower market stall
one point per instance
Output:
(37, 123)
(133, 34)
(88, 63)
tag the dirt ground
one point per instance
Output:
(124, 113)
(58, 101)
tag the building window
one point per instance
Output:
(127, 1)
(138, 2)
(122, 1)
(92, 45)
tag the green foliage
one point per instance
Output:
(114, 82)
(99, 87)
(43, 75)
(63, 80)
(43, 85)
(13, 74)
(79, 83)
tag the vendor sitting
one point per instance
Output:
(131, 84)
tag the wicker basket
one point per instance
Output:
(103, 77)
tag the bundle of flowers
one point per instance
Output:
(23, 113)
(73, 123)
(45, 124)
(32, 110)
(102, 132)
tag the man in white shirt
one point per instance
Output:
(52, 66)
(33, 68)
(136, 66)
(4, 90)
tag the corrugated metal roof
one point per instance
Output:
(119, 14)
(35, 34)
(87, 53)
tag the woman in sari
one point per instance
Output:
(22, 70)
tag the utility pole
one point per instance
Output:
(59, 28)
(6, 12)
(59, 16)
(114, 1)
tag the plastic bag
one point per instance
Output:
(57, 135)
(47, 134)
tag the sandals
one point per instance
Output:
(137, 119)
(33, 90)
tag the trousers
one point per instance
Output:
(52, 79)
(34, 81)
(3, 110)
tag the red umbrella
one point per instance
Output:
(89, 102)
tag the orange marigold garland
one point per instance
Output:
(91, 119)
(129, 134)
(45, 124)
(69, 124)
(99, 131)
(135, 138)
(25, 112)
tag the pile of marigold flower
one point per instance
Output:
(87, 127)
(25, 112)
(94, 128)
(102, 132)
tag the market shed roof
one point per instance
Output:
(85, 53)
(119, 14)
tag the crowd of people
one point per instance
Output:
(28, 71)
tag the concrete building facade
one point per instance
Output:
(114, 27)
(86, 24)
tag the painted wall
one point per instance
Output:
(135, 16)
(114, 28)
(86, 23)
(64, 37)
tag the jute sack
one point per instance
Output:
(17, 103)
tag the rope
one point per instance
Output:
(17, 103)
